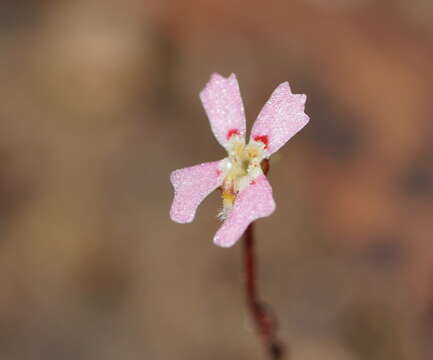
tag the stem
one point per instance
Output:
(265, 323)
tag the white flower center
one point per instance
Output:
(239, 169)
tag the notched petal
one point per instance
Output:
(191, 186)
(281, 118)
(254, 202)
(223, 104)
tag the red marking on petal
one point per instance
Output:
(218, 172)
(252, 182)
(232, 132)
(262, 138)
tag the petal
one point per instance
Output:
(281, 118)
(254, 202)
(222, 102)
(191, 186)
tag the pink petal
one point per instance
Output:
(222, 102)
(191, 186)
(281, 118)
(254, 202)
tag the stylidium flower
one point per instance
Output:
(246, 192)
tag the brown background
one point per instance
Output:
(99, 102)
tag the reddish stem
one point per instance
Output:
(265, 323)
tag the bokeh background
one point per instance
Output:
(99, 102)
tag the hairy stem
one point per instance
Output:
(265, 323)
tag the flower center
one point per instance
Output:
(239, 169)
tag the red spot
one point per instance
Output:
(252, 182)
(232, 132)
(262, 138)
(218, 172)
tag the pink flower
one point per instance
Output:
(246, 192)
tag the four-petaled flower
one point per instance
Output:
(246, 192)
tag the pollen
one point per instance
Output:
(240, 169)
(228, 198)
(253, 153)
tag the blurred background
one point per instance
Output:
(99, 102)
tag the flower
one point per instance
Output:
(246, 192)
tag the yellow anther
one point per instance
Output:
(228, 198)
